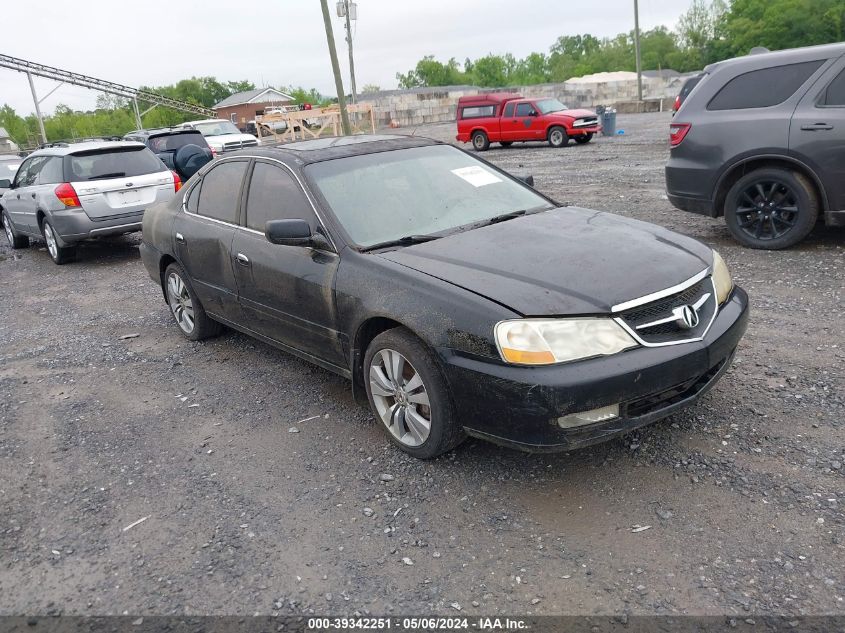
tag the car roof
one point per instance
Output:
(73, 148)
(316, 150)
(786, 56)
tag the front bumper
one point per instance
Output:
(73, 225)
(519, 406)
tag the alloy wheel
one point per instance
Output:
(180, 302)
(400, 397)
(52, 246)
(556, 137)
(767, 210)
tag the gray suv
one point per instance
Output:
(68, 192)
(761, 141)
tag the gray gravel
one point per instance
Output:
(151, 475)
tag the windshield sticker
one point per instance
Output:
(476, 176)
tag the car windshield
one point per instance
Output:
(550, 105)
(416, 192)
(217, 128)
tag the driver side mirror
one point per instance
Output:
(5, 183)
(294, 233)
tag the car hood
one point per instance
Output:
(575, 114)
(228, 138)
(568, 261)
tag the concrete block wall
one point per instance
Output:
(436, 105)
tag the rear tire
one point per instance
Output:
(771, 208)
(185, 306)
(480, 142)
(583, 139)
(557, 137)
(15, 241)
(59, 254)
(414, 408)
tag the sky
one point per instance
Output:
(283, 42)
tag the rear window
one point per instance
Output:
(691, 83)
(101, 164)
(763, 88)
(172, 142)
(477, 112)
(834, 95)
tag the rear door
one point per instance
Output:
(286, 292)
(817, 132)
(20, 199)
(115, 181)
(203, 234)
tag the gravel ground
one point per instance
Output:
(261, 487)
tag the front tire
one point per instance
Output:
(583, 139)
(409, 396)
(185, 306)
(557, 137)
(480, 142)
(15, 241)
(506, 143)
(59, 254)
(771, 208)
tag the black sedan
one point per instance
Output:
(457, 299)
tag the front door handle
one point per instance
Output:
(243, 260)
(812, 127)
(180, 238)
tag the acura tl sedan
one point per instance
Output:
(457, 299)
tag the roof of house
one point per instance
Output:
(3, 133)
(259, 95)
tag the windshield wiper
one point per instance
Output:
(117, 174)
(408, 240)
(505, 217)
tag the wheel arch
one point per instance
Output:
(163, 263)
(747, 165)
(366, 332)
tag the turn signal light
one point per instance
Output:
(67, 195)
(522, 357)
(677, 133)
(177, 182)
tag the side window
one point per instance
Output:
(220, 191)
(275, 195)
(763, 88)
(23, 173)
(478, 112)
(192, 204)
(835, 93)
(509, 109)
(28, 178)
(524, 109)
(50, 172)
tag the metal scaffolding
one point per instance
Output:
(65, 76)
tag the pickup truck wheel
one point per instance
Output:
(409, 395)
(480, 142)
(59, 254)
(583, 139)
(771, 208)
(506, 143)
(186, 307)
(15, 241)
(558, 137)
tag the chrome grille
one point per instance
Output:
(586, 122)
(233, 145)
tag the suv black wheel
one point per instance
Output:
(409, 396)
(186, 307)
(480, 142)
(583, 139)
(58, 253)
(771, 208)
(557, 137)
(15, 240)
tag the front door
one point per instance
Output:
(817, 132)
(528, 127)
(286, 292)
(203, 236)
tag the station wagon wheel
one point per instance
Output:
(409, 395)
(186, 307)
(583, 139)
(558, 137)
(771, 208)
(58, 253)
(15, 241)
(480, 142)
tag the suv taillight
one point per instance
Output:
(67, 195)
(177, 182)
(677, 133)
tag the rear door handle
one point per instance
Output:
(180, 238)
(243, 260)
(812, 127)
(33, 196)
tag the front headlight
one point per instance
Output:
(549, 341)
(721, 278)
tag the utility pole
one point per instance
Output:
(37, 108)
(349, 42)
(637, 50)
(338, 82)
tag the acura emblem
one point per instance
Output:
(686, 317)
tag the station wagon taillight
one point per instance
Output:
(177, 182)
(67, 195)
(677, 133)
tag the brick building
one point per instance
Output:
(244, 106)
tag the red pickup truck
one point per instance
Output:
(504, 117)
